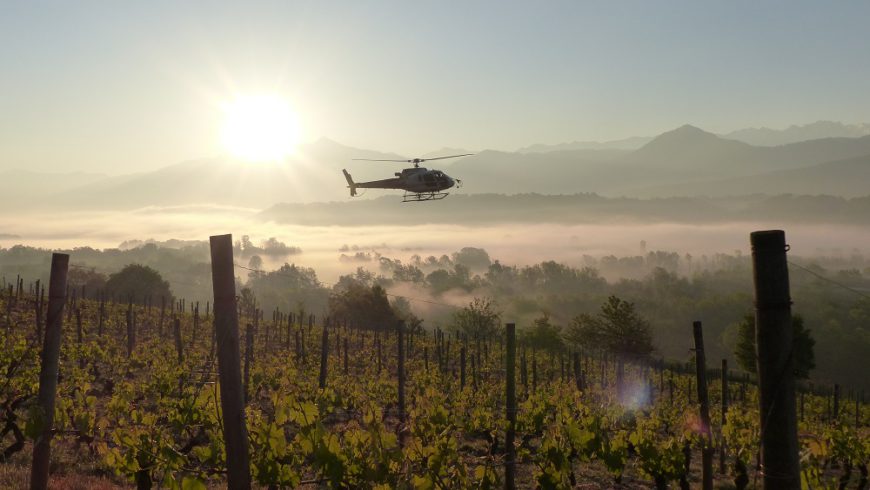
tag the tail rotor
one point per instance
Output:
(350, 183)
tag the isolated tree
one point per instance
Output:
(543, 334)
(802, 340)
(136, 282)
(617, 328)
(368, 306)
(478, 318)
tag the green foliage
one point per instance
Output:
(804, 343)
(473, 258)
(617, 328)
(290, 280)
(367, 306)
(138, 282)
(543, 334)
(479, 318)
(148, 415)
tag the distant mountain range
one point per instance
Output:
(686, 161)
(794, 134)
(753, 136)
(632, 143)
(685, 156)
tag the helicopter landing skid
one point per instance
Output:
(423, 196)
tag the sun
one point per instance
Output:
(260, 128)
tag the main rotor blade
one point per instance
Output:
(442, 158)
(378, 160)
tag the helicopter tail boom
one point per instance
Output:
(350, 183)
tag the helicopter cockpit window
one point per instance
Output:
(429, 178)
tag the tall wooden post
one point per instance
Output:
(38, 310)
(774, 344)
(162, 314)
(701, 370)
(324, 354)
(131, 330)
(400, 371)
(49, 371)
(176, 332)
(578, 373)
(226, 323)
(510, 408)
(462, 368)
(346, 355)
(620, 379)
(723, 450)
(102, 316)
(249, 357)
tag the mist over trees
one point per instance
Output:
(667, 292)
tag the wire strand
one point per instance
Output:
(826, 279)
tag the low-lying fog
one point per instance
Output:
(519, 244)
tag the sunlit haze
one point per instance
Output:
(503, 244)
(138, 86)
(260, 128)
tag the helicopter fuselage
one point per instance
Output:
(417, 180)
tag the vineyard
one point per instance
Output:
(332, 403)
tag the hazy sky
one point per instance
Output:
(129, 86)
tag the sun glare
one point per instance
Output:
(260, 128)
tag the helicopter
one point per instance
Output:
(419, 183)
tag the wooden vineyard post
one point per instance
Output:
(49, 371)
(289, 329)
(298, 347)
(226, 324)
(249, 354)
(524, 375)
(836, 414)
(510, 407)
(79, 332)
(38, 316)
(400, 370)
(378, 342)
(80, 336)
(162, 313)
(345, 356)
(620, 379)
(773, 332)
(701, 369)
(534, 372)
(578, 373)
(723, 450)
(102, 315)
(462, 368)
(176, 332)
(131, 330)
(324, 354)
